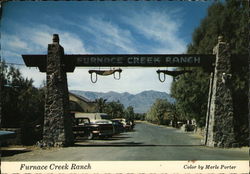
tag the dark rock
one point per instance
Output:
(219, 121)
(57, 121)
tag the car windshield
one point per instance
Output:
(105, 116)
(103, 122)
(82, 121)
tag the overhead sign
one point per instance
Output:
(121, 60)
(150, 60)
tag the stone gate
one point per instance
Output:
(57, 124)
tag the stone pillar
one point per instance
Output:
(57, 122)
(219, 127)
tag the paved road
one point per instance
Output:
(146, 142)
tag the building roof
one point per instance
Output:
(81, 98)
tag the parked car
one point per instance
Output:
(130, 125)
(93, 116)
(118, 126)
(127, 125)
(83, 127)
(106, 127)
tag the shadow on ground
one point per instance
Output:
(133, 144)
(5, 153)
(114, 138)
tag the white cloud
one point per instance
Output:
(14, 42)
(113, 34)
(35, 74)
(35, 40)
(72, 44)
(9, 54)
(159, 27)
(42, 36)
(108, 36)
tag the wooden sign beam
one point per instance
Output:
(125, 60)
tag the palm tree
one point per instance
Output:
(101, 104)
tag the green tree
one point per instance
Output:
(190, 92)
(129, 113)
(22, 104)
(101, 104)
(229, 19)
(115, 109)
(140, 116)
(158, 111)
(173, 114)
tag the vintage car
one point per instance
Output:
(106, 128)
(83, 127)
(93, 116)
(127, 125)
(118, 126)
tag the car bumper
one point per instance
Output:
(106, 133)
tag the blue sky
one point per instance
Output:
(164, 27)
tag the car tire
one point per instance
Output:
(90, 136)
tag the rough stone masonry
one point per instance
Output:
(57, 122)
(219, 125)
